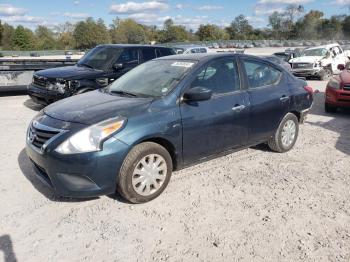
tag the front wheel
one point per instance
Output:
(145, 173)
(286, 135)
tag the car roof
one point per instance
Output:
(197, 56)
(188, 46)
(131, 45)
(323, 46)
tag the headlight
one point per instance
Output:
(334, 83)
(91, 138)
(60, 85)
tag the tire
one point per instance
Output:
(330, 109)
(136, 192)
(326, 74)
(276, 143)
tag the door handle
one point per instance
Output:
(284, 98)
(238, 108)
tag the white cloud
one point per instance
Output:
(179, 6)
(210, 7)
(133, 7)
(25, 19)
(75, 15)
(298, 2)
(342, 2)
(9, 10)
(267, 10)
(77, 2)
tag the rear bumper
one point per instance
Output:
(337, 97)
(43, 96)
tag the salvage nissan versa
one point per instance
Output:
(164, 115)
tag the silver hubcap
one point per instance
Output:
(149, 174)
(288, 133)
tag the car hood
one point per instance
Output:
(96, 106)
(345, 76)
(306, 59)
(70, 72)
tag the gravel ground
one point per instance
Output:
(253, 205)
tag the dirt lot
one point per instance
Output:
(253, 205)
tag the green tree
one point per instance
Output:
(45, 38)
(346, 27)
(308, 27)
(127, 32)
(211, 32)
(88, 33)
(23, 39)
(8, 33)
(1, 30)
(172, 32)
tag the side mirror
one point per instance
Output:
(198, 93)
(118, 66)
(341, 67)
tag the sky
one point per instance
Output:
(190, 13)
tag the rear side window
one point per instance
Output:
(219, 76)
(260, 74)
(148, 54)
(129, 55)
(164, 52)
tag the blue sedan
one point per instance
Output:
(162, 116)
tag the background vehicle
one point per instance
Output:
(98, 68)
(288, 54)
(162, 116)
(279, 61)
(320, 62)
(190, 49)
(338, 90)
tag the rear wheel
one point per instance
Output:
(145, 173)
(286, 135)
(330, 109)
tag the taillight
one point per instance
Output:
(309, 89)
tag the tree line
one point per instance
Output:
(292, 23)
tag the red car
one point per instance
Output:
(338, 90)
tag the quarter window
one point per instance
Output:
(260, 74)
(220, 76)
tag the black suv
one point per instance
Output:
(98, 68)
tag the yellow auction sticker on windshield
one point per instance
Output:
(183, 64)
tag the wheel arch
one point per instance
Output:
(167, 144)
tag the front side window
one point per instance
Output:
(152, 79)
(260, 74)
(219, 76)
(101, 57)
(148, 54)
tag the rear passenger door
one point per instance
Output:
(269, 98)
(220, 123)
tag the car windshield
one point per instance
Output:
(101, 58)
(315, 52)
(152, 79)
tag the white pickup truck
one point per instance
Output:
(320, 62)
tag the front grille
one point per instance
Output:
(38, 134)
(347, 86)
(40, 81)
(302, 66)
(42, 173)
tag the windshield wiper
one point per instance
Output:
(86, 65)
(125, 93)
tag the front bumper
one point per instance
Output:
(44, 96)
(337, 97)
(315, 72)
(79, 175)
